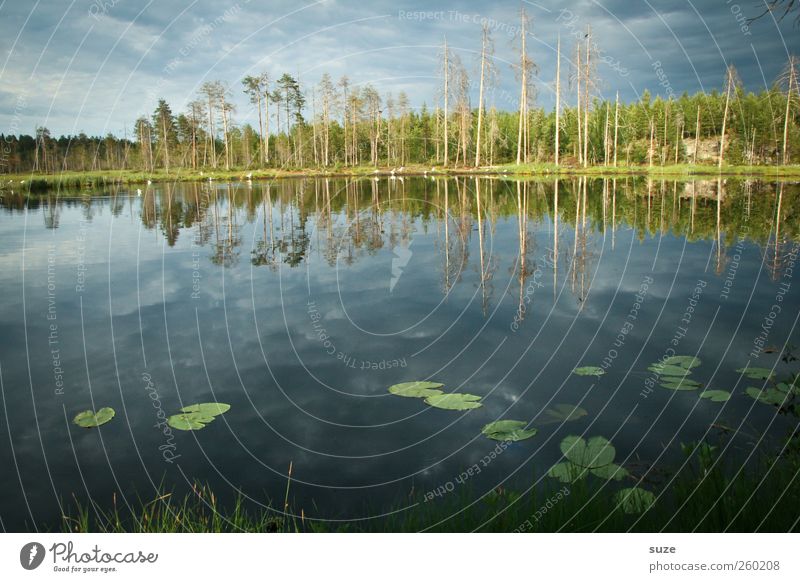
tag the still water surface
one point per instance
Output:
(299, 302)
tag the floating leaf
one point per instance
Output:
(771, 396)
(634, 499)
(189, 421)
(207, 408)
(454, 401)
(756, 373)
(90, 419)
(589, 371)
(416, 389)
(682, 361)
(667, 370)
(596, 452)
(567, 472)
(672, 383)
(610, 472)
(563, 413)
(508, 430)
(715, 395)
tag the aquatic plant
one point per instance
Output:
(91, 419)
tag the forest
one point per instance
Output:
(334, 124)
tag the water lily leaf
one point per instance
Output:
(189, 421)
(634, 499)
(673, 383)
(715, 395)
(667, 370)
(416, 389)
(756, 373)
(454, 401)
(563, 413)
(610, 472)
(771, 396)
(596, 452)
(682, 361)
(589, 371)
(567, 472)
(508, 430)
(90, 419)
(207, 408)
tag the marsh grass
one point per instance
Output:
(706, 496)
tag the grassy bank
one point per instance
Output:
(705, 496)
(74, 180)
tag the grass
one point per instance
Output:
(703, 497)
(77, 180)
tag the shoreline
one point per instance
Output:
(44, 182)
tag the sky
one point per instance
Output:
(94, 66)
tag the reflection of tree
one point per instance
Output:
(226, 235)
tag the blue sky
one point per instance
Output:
(95, 65)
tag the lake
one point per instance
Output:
(299, 302)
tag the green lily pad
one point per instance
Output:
(682, 361)
(416, 389)
(91, 419)
(454, 401)
(567, 472)
(563, 413)
(715, 395)
(756, 373)
(771, 396)
(189, 421)
(667, 370)
(207, 408)
(589, 371)
(634, 499)
(596, 452)
(672, 383)
(610, 472)
(508, 430)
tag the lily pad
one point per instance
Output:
(668, 370)
(682, 361)
(91, 419)
(771, 396)
(207, 408)
(589, 371)
(454, 401)
(634, 499)
(567, 472)
(416, 389)
(563, 413)
(189, 421)
(756, 373)
(508, 430)
(596, 452)
(715, 395)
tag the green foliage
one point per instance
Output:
(90, 419)
(508, 430)
(454, 401)
(589, 371)
(416, 389)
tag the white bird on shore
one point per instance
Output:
(149, 181)
(138, 191)
(250, 176)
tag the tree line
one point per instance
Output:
(340, 123)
